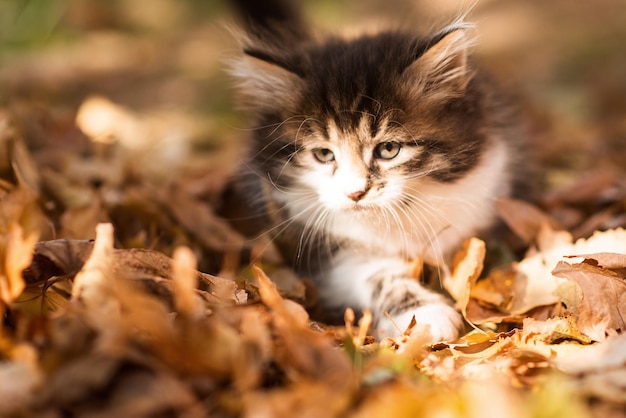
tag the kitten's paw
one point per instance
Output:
(434, 323)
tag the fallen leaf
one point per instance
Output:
(600, 370)
(468, 264)
(91, 284)
(16, 251)
(601, 310)
(531, 284)
(607, 260)
(554, 330)
(20, 379)
(525, 219)
(185, 283)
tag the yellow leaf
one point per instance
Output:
(468, 265)
(18, 256)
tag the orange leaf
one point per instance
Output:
(18, 255)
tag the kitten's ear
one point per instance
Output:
(270, 72)
(442, 71)
(265, 82)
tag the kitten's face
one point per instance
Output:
(358, 169)
(358, 125)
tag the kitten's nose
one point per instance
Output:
(356, 196)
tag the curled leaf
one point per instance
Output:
(601, 309)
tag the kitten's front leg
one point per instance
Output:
(384, 285)
(403, 298)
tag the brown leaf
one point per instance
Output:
(64, 258)
(305, 354)
(79, 378)
(149, 266)
(57, 258)
(524, 219)
(81, 222)
(586, 188)
(611, 261)
(492, 297)
(20, 379)
(307, 400)
(602, 308)
(198, 218)
(145, 393)
(16, 164)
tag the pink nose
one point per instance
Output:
(356, 196)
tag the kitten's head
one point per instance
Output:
(361, 123)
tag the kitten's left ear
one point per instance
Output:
(442, 71)
(265, 82)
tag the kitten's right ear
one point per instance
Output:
(442, 71)
(263, 82)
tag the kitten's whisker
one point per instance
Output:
(432, 243)
(279, 137)
(270, 157)
(289, 119)
(412, 213)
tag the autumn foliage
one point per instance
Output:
(124, 292)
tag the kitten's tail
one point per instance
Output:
(276, 23)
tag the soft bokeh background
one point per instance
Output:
(166, 58)
(120, 111)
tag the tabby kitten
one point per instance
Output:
(369, 153)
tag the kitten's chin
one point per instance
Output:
(357, 209)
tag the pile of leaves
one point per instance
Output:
(90, 330)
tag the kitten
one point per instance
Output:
(369, 153)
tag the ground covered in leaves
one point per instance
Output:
(123, 292)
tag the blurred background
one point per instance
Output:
(565, 60)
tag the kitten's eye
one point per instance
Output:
(323, 155)
(387, 150)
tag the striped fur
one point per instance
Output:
(368, 153)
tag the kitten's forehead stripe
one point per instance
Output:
(358, 76)
(333, 132)
(364, 132)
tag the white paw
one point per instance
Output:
(434, 323)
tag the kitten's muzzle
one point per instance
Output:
(356, 196)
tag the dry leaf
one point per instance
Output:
(468, 264)
(607, 260)
(523, 218)
(91, 284)
(601, 310)
(306, 353)
(307, 400)
(185, 283)
(20, 379)
(531, 285)
(17, 252)
(76, 221)
(600, 369)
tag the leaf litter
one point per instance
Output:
(124, 291)
(91, 330)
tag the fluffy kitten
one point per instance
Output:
(368, 153)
